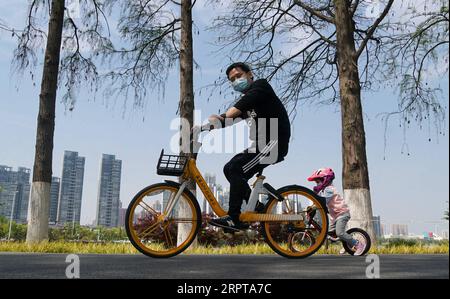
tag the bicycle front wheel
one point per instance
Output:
(296, 239)
(153, 229)
(361, 236)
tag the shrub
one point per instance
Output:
(18, 231)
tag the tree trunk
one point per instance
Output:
(42, 171)
(186, 94)
(355, 171)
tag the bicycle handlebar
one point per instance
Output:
(207, 127)
(195, 145)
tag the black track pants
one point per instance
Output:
(239, 170)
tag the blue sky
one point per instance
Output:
(411, 190)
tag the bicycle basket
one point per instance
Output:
(171, 165)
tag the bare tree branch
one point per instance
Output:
(151, 30)
(374, 27)
(82, 40)
(314, 12)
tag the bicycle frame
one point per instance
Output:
(248, 214)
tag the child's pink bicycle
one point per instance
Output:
(357, 234)
(306, 237)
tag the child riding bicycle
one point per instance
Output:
(338, 209)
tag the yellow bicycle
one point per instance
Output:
(163, 219)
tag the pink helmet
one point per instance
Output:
(326, 175)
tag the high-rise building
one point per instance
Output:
(22, 177)
(165, 201)
(223, 196)
(399, 230)
(157, 206)
(54, 196)
(108, 202)
(210, 179)
(298, 208)
(204, 204)
(14, 193)
(211, 182)
(377, 226)
(383, 229)
(8, 194)
(219, 194)
(69, 204)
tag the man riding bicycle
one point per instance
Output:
(269, 132)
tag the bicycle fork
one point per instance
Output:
(174, 200)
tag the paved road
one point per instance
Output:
(14, 265)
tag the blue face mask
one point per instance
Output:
(241, 84)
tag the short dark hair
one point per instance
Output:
(241, 65)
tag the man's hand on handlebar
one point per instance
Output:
(198, 129)
(216, 118)
(214, 122)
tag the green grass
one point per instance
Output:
(415, 249)
(68, 247)
(126, 248)
(334, 249)
(238, 249)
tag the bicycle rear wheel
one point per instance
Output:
(297, 239)
(155, 232)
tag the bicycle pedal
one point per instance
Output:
(226, 229)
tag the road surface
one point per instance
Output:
(15, 265)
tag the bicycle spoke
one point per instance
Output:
(168, 236)
(172, 196)
(148, 230)
(149, 209)
(288, 207)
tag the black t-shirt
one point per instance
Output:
(260, 104)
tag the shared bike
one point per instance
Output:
(163, 219)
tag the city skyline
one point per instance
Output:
(66, 195)
(383, 229)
